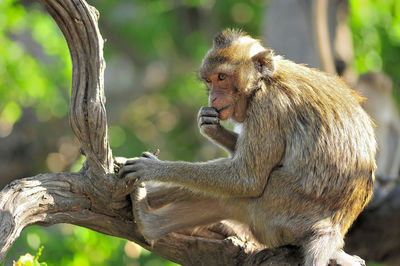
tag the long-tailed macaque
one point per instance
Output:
(299, 172)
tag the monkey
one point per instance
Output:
(299, 172)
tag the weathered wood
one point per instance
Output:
(30, 200)
(78, 22)
(61, 198)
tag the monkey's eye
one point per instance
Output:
(221, 76)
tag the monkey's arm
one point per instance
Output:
(219, 177)
(210, 127)
(244, 175)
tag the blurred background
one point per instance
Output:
(152, 51)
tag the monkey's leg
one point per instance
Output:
(344, 259)
(159, 194)
(177, 211)
(324, 243)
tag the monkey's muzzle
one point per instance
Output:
(223, 108)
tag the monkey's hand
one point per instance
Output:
(208, 121)
(140, 169)
(119, 162)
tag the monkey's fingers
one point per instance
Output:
(156, 152)
(127, 169)
(210, 130)
(120, 160)
(151, 155)
(132, 160)
(132, 178)
(208, 111)
(207, 120)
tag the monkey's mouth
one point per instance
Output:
(223, 108)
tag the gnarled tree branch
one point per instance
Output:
(78, 22)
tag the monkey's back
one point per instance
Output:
(327, 169)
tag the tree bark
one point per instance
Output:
(92, 197)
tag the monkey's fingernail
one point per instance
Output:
(156, 152)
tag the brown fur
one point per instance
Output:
(300, 171)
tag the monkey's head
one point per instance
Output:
(232, 69)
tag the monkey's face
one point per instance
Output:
(224, 96)
(230, 69)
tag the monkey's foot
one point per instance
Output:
(343, 259)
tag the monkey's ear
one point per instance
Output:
(264, 63)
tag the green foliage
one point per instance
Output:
(27, 79)
(376, 32)
(29, 260)
(72, 245)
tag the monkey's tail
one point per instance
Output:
(325, 241)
